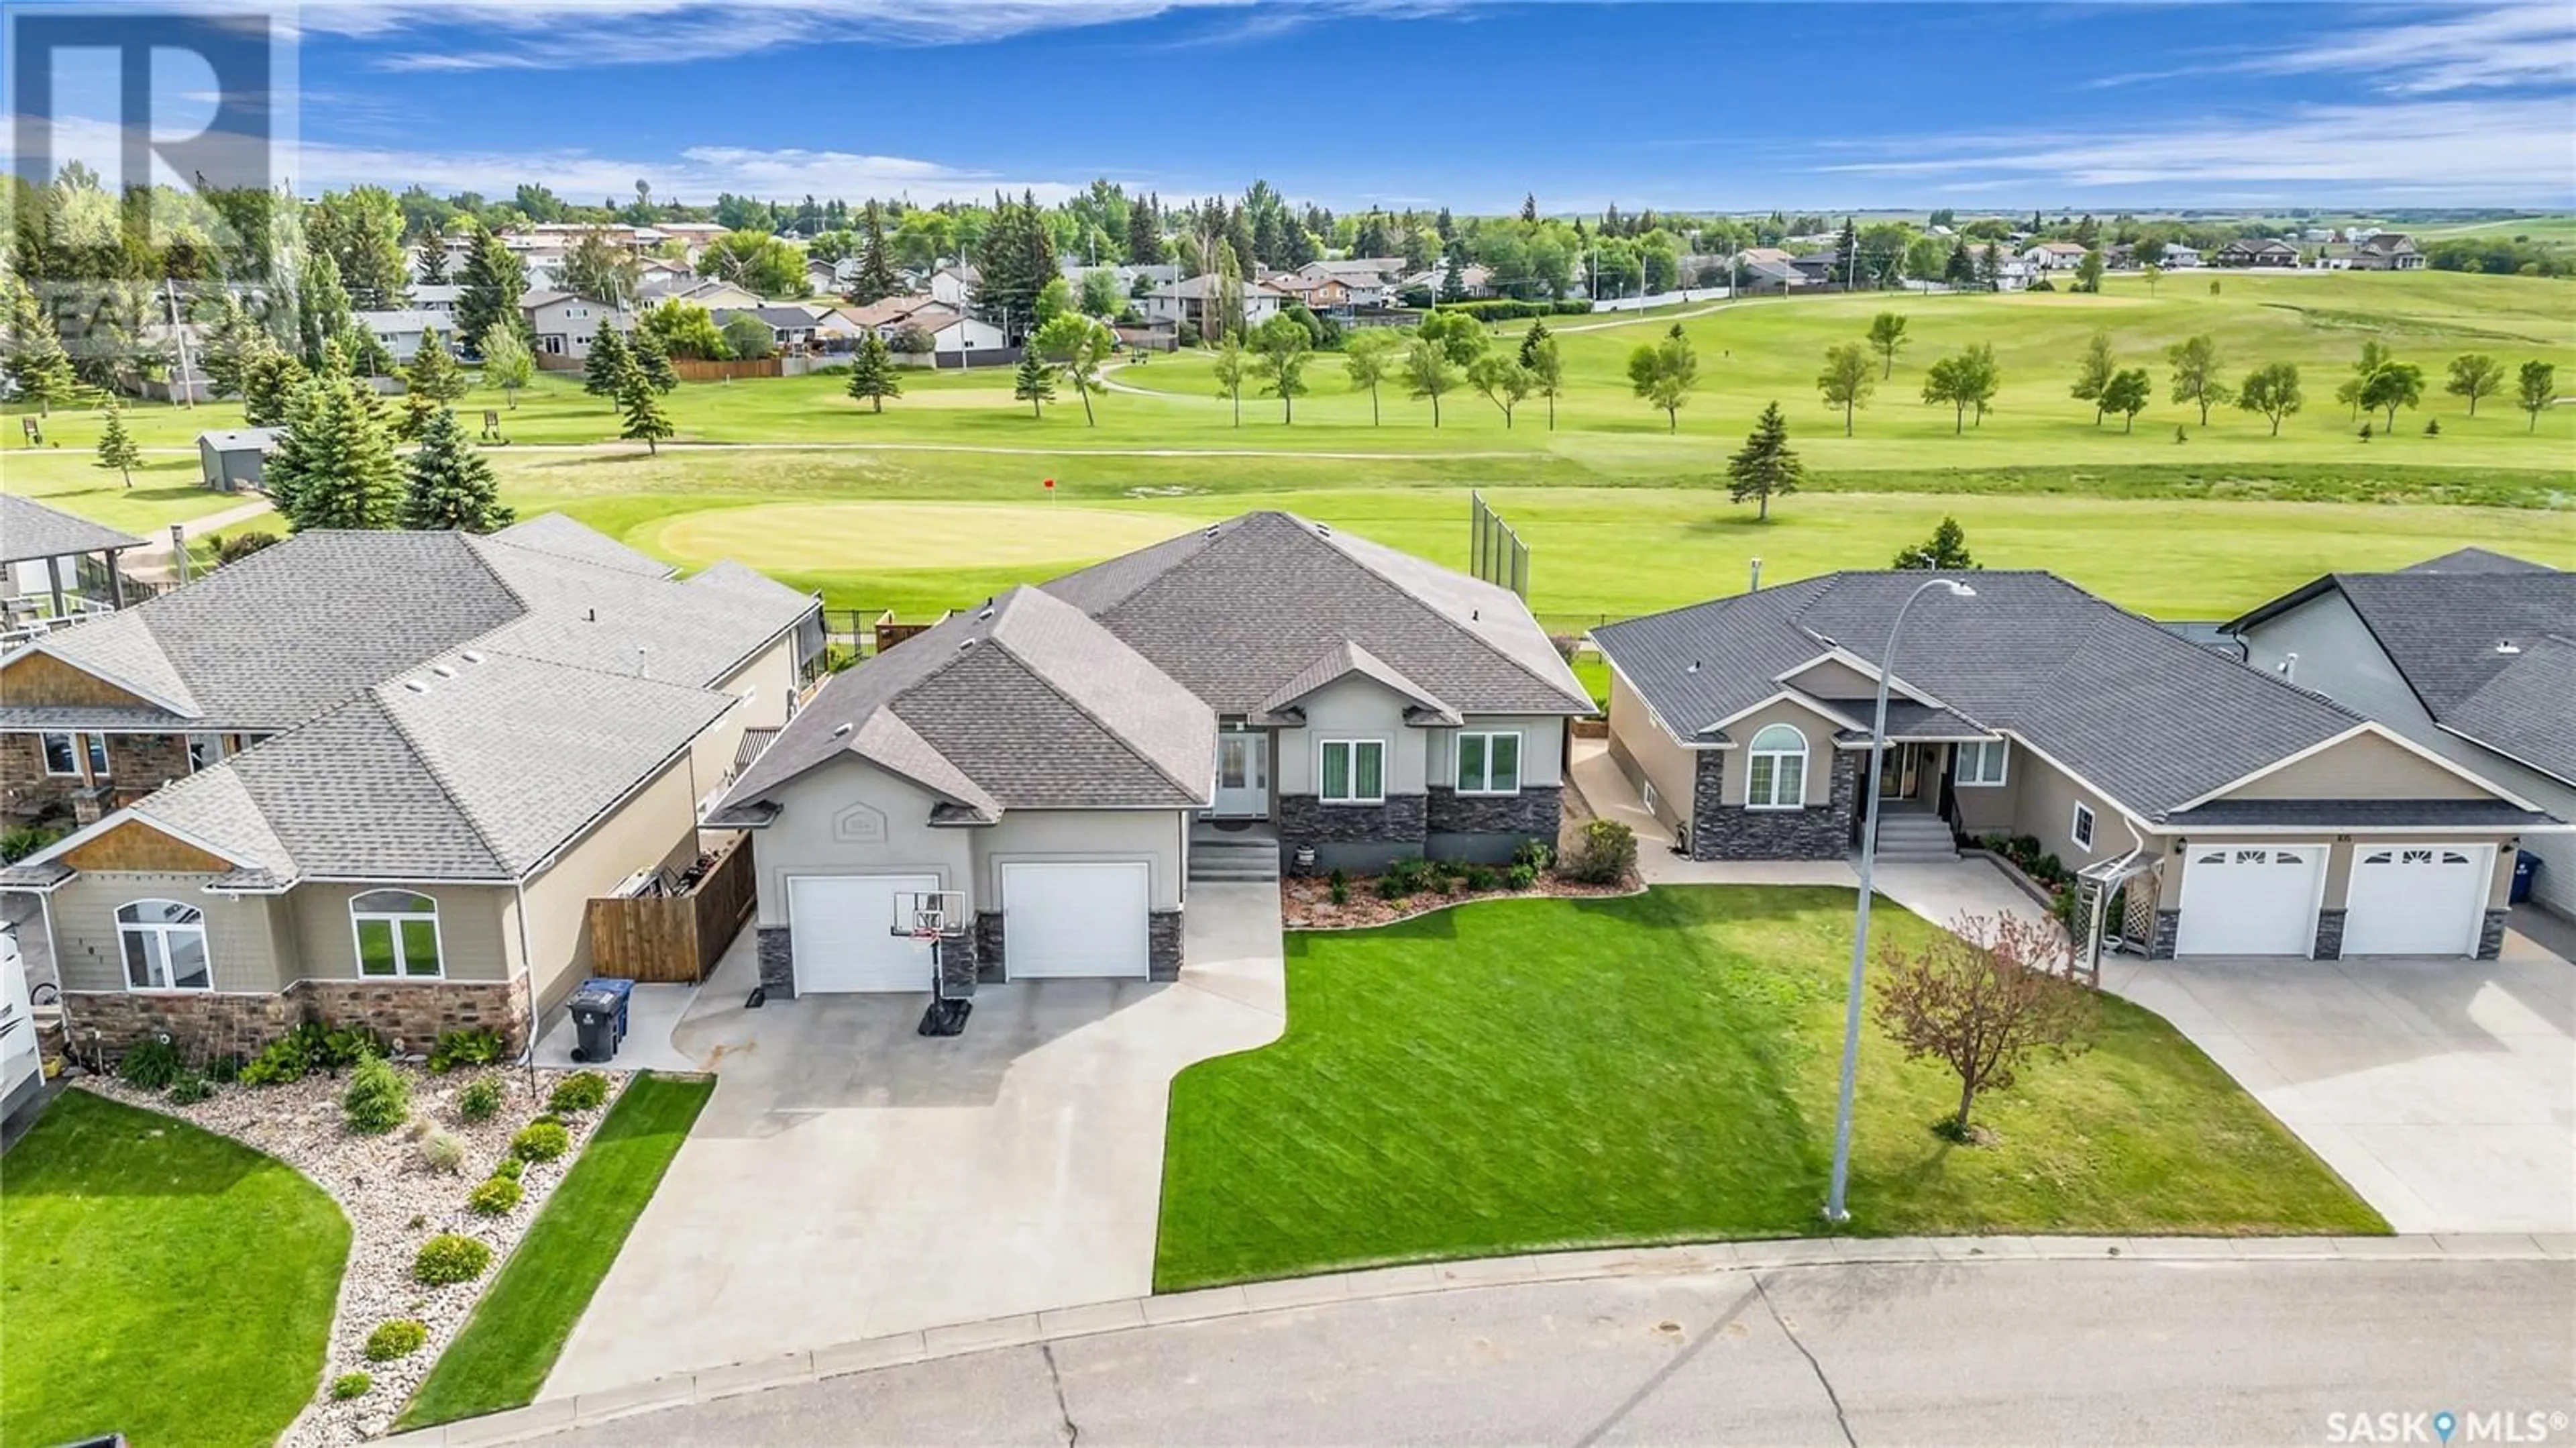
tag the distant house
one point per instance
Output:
(564, 323)
(2053, 256)
(55, 565)
(821, 277)
(401, 332)
(1368, 280)
(955, 337)
(954, 283)
(230, 460)
(1192, 301)
(2121, 257)
(793, 329)
(439, 297)
(1475, 278)
(1315, 294)
(2387, 251)
(1765, 269)
(1817, 267)
(703, 292)
(2256, 253)
(2178, 255)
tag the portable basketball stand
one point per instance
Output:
(938, 917)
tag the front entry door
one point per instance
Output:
(1898, 772)
(1243, 775)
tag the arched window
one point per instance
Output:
(165, 946)
(397, 934)
(1777, 776)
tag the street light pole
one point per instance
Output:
(1835, 1211)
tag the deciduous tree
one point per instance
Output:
(1231, 368)
(1545, 363)
(1663, 373)
(510, 366)
(1503, 380)
(1367, 358)
(2474, 375)
(1846, 382)
(2195, 374)
(601, 269)
(1428, 371)
(2094, 372)
(2374, 355)
(1076, 345)
(1886, 338)
(1965, 379)
(2537, 390)
(1987, 998)
(2394, 385)
(1765, 467)
(1284, 347)
(2127, 394)
(2088, 272)
(2272, 390)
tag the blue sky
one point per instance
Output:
(1354, 102)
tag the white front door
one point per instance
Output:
(2250, 900)
(2422, 899)
(841, 930)
(1243, 774)
(1075, 918)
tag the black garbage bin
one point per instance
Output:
(2525, 865)
(594, 1018)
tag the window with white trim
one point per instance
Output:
(1489, 763)
(62, 755)
(1352, 771)
(204, 751)
(2082, 829)
(164, 944)
(1982, 763)
(397, 934)
(97, 750)
(1776, 769)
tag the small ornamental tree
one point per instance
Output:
(1076, 346)
(116, 446)
(1663, 373)
(607, 360)
(639, 408)
(1765, 467)
(2536, 390)
(872, 373)
(1546, 367)
(2127, 394)
(1987, 998)
(1886, 338)
(448, 484)
(2272, 390)
(1846, 382)
(1947, 550)
(509, 365)
(1370, 356)
(1231, 368)
(2474, 375)
(1034, 383)
(1282, 347)
(1503, 380)
(1429, 374)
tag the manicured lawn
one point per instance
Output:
(159, 1281)
(502, 1357)
(1549, 1073)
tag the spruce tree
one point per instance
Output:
(1034, 382)
(605, 364)
(493, 282)
(876, 274)
(335, 467)
(36, 360)
(639, 407)
(1765, 467)
(321, 306)
(433, 258)
(116, 447)
(1453, 287)
(448, 484)
(433, 372)
(269, 383)
(653, 359)
(872, 373)
(365, 355)
(1144, 233)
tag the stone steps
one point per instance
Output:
(1915, 837)
(1247, 860)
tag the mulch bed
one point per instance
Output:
(1306, 903)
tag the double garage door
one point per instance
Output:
(2404, 899)
(1084, 918)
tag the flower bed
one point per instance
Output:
(1306, 901)
(396, 1201)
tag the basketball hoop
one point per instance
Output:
(933, 917)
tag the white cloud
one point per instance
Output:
(2496, 152)
(2510, 45)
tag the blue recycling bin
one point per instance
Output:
(624, 990)
(2525, 865)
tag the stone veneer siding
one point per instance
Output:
(1533, 812)
(2329, 934)
(1354, 836)
(1163, 945)
(2160, 945)
(1720, 831)
(778, 962)
(137, 765)
(211, 1024)
(2491, 935)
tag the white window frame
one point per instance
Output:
(1458, 761)
(1757, 752)
(2081, 827)
(94, 751)
(205, 751)
(158, 952)
(71, 748)
(1351, 772)
(394, 921)
(1998, 749)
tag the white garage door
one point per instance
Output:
(2417, 899)
(1075, 918)
(2250, 900)
(839, 926)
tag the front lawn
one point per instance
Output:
(158, 1280)
(1530, 1074)
(518, 1330)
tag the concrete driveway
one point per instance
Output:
(850, 1178)
(2444, 1091)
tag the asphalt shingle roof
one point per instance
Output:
(2527, 710)
(29, 529)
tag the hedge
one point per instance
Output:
(1505, 309)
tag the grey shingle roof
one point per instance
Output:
(2528, 710)
(2145, 715)
(559, 535)
(29, 529)
(2353, 814)
(1342, 660)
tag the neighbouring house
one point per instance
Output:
(401, 332)
(1765, 269)
(438, 297)
(2471, 655)
(954, 284)
(2205, 808)
(2386, 251)
(56, 566)
(1315, 294)
(1475, 279)
(1368, 281)
(793, 329)
(564, 323)
(1192, 301)
(955, 338)
(375, 777)
(2055, 256)
(2178, 256)
(821, 277)
(230, 460)
(704, 292)
(1070, 756)
(2263, 252)
(1816, 268)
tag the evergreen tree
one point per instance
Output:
(433, 372)
(116, 446)
(1961, 269)
(1033, 383)
(1765, 467)
(639, 407)
(1847, 254)
(872, 373)
(321, 306)
(1946, 552)
(1453, 286)
(876, 274)
(335, 466)
(606, 363)
(448, 484)
(36, 360)
(1529, 207)
(270, 381)
(653, 359)
(233, 338)
(364, 355)
(493, 281)
(1144, 233)
(433, 258)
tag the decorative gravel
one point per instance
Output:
(1306, 902)
(395, 1201)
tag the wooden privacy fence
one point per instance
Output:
(692, 369)
(675, 938)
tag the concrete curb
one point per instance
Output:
(555, 1415)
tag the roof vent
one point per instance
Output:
(444, 671)
(964, 644)
(416, 686)
(1694, 667)
(1211, 531)
(2507, 646)
(1323, 530)
(986, 614)
(840, 731)
(471, 656)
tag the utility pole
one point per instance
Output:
(179, 387)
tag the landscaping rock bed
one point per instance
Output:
(395, 1200)
(1306, 902)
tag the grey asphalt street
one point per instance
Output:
(2129, 1352)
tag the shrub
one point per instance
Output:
(581, 1091)
(448, 1258)
(1535, 854)
(510, 1167)
(479, 1100)
(1520, 877)
(440, 1151)
(150, 1064)
(350, 1385)
(337, 1048)
(238, 547)
(1412, 873)
(224, 1070)
(1391, 887)
(496, 1196)
(541, 1141)
(480, 1046)
(1338, 887)
(1482, 877)
(1507, 309)
(20, 841)
(189, 1089)
(399, 1338)
(377, 1101)
(1607, 853)
(281, 1062)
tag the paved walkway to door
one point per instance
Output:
(851, 1179)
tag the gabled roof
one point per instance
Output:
(1344, 659)
(1238, 609)
(29, 529)
(2149, 718)
(2527, 711)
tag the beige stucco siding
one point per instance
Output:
(1542, 748)
(249, 949)
(848, 817)
(2038, 799)
(2365, 766)
(1833, 679)
(1819, 733)
(657, 825)
(1157, 837)
(1646, 754)
(473, 943)
(1354, 708)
